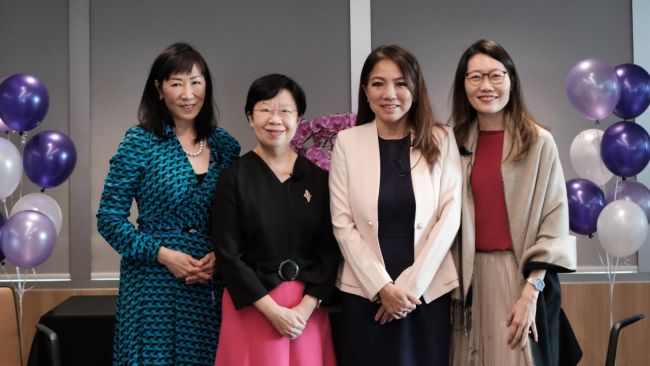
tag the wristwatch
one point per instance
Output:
(537, 283)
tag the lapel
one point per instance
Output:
(367, 148)
(425, 192)
(508, 173)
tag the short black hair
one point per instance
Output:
(269, 86)
(153, 113)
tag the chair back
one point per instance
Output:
(613, 337)
(10, 354)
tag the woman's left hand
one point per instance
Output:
(307, 306)
(383, 316)
(521, 320)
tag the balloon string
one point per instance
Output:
(611, 279)
(21, 292)
(4, 201)
(23, 141)
(20, 289)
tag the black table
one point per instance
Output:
(84, 325)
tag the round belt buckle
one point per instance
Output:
(288, 270)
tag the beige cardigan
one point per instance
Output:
(536, 203)
(354, 190)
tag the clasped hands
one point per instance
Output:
(184, 266)
(289, 322)
(396, 303)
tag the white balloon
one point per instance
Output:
(585, 157)
(11, 168)
(42, 203)
(622, 228)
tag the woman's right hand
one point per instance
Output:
(288, 322)
(395, 302)
(181, 265)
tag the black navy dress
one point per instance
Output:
(422, 338)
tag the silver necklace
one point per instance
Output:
(193, 154)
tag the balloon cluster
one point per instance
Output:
(29, 233)
(595, 89)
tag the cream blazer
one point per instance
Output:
(354, 192)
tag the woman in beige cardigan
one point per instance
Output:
(515, 227)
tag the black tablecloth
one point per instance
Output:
(85, 326)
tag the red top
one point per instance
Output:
(491, 215)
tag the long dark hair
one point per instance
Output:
(420, 116)
(520, 124)
(153, 113)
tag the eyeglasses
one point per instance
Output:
(496, 77)
(284, 112)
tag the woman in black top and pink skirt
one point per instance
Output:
(273, 237)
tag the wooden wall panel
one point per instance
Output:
(586, 305)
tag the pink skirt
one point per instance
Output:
(247, 338)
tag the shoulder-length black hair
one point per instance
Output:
(420, 116)
(520, 124)
(153, 113)
(269, 86)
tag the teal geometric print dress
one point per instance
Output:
(159, 319)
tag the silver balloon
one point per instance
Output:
(11, 168)
(42, 203)
(622, 228)
(632, 191)
(585, 157)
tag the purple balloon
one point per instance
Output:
(49, 158)
(586, 201)
(625, 148)
(28, 238)
(635, 91)
(4, 127)
(593, 88)
(23, 102)
(2, 224)
(633, 191)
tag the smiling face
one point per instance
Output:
(388, 93)
(274, 120)
(183, 94)
(487, 98)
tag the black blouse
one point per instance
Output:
(259, 221)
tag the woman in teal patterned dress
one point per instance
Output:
(168, 308)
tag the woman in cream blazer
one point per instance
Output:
(395, 186)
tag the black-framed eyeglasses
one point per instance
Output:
(496, 77)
